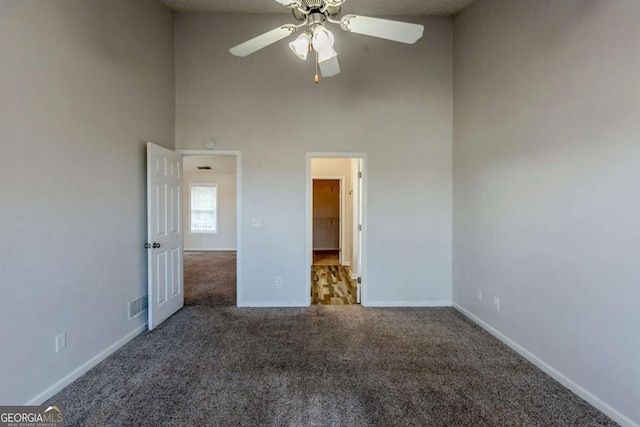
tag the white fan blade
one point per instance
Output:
(263, 40)
(402, 32)
(289, 3)
(330, 67)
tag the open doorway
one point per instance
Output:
(334, 193)
(328, 221)
(209, 212)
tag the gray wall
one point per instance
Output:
(392, 101)
(547, 184)
(83, 85)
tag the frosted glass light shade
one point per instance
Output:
(329, 67)
(300, 46)
(325, 55)
(323, 41)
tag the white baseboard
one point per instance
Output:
(585, 394)
(272, 304)
(209, 250)
(408, 304)
(346, 263)
(84, 368)
(353, 275)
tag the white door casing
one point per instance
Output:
(238, 156)
(164, 233)
(361, 241)
(358, 230)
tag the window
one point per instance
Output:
(204, 204)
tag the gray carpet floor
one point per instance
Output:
(210, 278)
(320, 366)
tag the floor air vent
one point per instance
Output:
(137, 306)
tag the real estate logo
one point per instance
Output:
(31, 416)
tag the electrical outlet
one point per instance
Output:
(479, 295)
(256, 222)
(278, 281)
(496, 303)
(61, 342)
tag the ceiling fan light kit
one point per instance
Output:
(314, 15)
(301, 46)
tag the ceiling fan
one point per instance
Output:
(313, 15)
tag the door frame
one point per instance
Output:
(341, 237)
(238, 154)
(309, 219)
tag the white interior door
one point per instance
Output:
(164, 233)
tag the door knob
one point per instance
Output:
(156, 245)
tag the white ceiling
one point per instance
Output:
(218, 164)
(362, 7)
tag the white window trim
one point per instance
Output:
(193, 184)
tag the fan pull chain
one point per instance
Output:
(316, 79)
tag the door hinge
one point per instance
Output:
(147, 245)
(359, 174)
(360, 227)
(359, 279)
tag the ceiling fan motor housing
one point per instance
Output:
(318, 4)
(316, 18)
(311, 4)
(329, 8)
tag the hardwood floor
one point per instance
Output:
(332, 285)
(326, 258)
